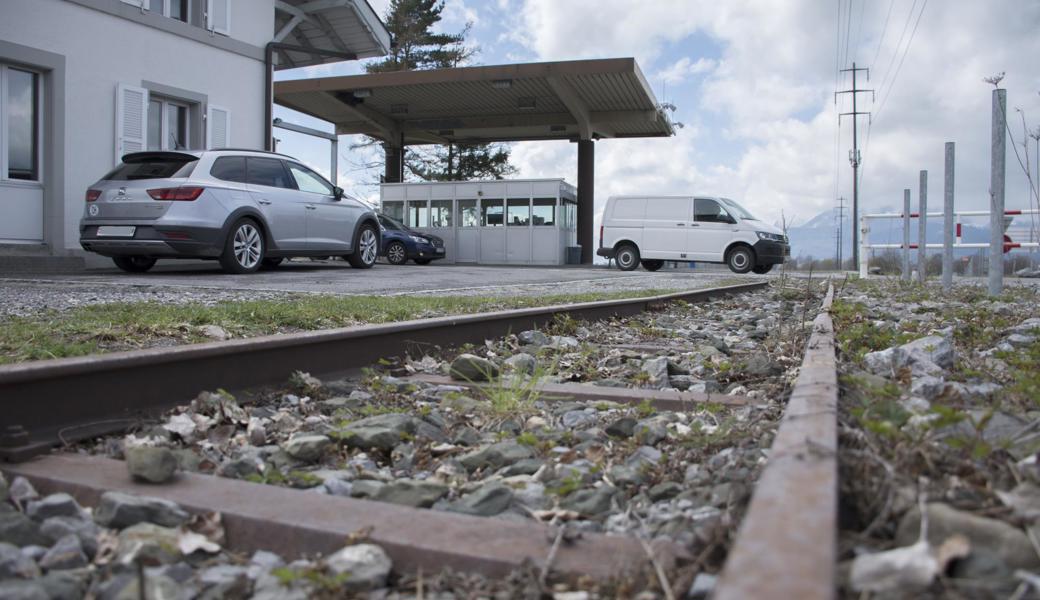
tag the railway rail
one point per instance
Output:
(786, 546)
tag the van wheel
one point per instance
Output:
(653, 265)
(740, 259)
(762, 269)
(134, 264)
(627, 257)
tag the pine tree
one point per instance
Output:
(417, 47)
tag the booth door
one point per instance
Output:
(467, 232)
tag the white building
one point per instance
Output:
(84, 81)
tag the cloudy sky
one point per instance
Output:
(753, 82)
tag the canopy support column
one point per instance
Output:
(586, 198)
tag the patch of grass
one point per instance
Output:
(528, 439)
(127, 326)
(565, 486)
(857, 335)
(1024, 368)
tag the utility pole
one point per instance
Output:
(854, 157)
(840, 233)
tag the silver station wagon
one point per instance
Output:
(245, 208)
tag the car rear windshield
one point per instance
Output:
(157, 168)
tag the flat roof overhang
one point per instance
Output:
(349, 28)
(572, 100)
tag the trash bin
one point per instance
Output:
(573, 256)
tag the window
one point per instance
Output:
(569, 214)
(266, 171)
(153, 168)
(229, 168)
(416, 214)
(168, 124)
(490, 213)
(544, 212)
(440, 213)
(175, 9)
(707, 210)
(309, 181)
(467, 213)
(389, 224)
(394, 210)
(519, 214)
(19, 124)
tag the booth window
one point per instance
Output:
(394, 210)
(19, 106)
(440, 213)
(417, 214)
(491, 213)
(519, 212)
(468, 213)
(544, 212)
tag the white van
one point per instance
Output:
(653, 229)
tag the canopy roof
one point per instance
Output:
(347, 27)
(584, 99)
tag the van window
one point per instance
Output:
(677, 209)
(629, 208)
(707, 210)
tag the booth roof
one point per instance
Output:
(571, 100)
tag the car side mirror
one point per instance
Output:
(337, 193)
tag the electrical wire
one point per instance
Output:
(848, 31)
(884, 30)
(899, 44)
(901, 60)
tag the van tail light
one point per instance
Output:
(93, 195)
(600, 236)
(185, 193)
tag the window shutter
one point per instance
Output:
(218, 127)
(131, 120)
(218, 16)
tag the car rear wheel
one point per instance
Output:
(653, 265)
(627, 257)
(762, 269)
(396, 253)
(740, 259)
(364, 255)
(244, 248)
(422, 261)
(134, 264)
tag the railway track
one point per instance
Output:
(786, 546)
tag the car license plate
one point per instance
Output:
(439, 250)
(115, 231)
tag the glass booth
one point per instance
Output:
(524, 222)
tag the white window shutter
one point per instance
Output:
(218, 127)
(131, 120)
(218, 16)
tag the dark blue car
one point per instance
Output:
(401, 243)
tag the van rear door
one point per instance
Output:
(665, 228)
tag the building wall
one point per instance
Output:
(101, 51)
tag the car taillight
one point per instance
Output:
(186, 193)
(93, 195)
(600, 236)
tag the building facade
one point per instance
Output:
(83, 82)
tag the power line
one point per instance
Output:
(859, 28)
(848, 31)
(899, 44)
(899, 68)
(884, 30)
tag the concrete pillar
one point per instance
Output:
(586, 199)
(922, 230)
(394, 170)
(996, 193)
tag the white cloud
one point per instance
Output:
(683, 68)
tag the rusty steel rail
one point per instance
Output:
(787, 544)
(256, 517)
(62, 400)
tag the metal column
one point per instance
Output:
(394, 169)
(947, 274)
(905, 275)
(996, 193)
(586, 199)
(922, 230)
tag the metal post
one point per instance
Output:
(335, 162)
(947, 272)
(922, 230)
(996, 193)
(586, 198)
(862, 253)
(905, 275)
